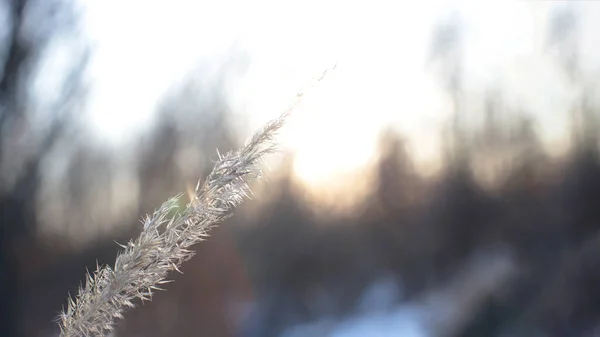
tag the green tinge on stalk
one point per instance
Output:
(165, 241)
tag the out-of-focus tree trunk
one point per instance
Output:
(13, 206)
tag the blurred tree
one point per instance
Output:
(563, 40)
(14, 211)
(562, 37)
(446, 54)
(580, 189)
(29, 28)
(390, 224)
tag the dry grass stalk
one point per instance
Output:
(166, 240)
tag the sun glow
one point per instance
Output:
(383, 77)
(380, 81)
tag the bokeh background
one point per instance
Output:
(443, 179)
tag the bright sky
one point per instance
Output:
(382, 76)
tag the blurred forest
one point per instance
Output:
(504, 241)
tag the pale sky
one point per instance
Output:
(382, 76)
(141, 49)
